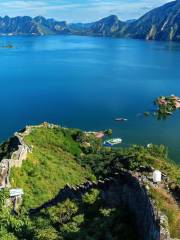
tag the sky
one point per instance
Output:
(78, 10)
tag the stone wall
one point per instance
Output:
(16, 159)
(19, 155)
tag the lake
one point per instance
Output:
(86, 82)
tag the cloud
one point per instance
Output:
(78, 10)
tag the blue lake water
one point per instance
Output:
(86, 82)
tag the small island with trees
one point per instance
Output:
(9, 46)
(166, 106)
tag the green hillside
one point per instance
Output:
(50, 166)
(59, 156)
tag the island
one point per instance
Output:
(167, 105)
(7, 46)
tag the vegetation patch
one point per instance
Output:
(89, 219)
(50, 166)
(169, 207)
(167, 105)
(108, 160)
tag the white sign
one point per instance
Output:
(16, 192)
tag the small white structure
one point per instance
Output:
(16, 192)
(149, 145)
(157, 176)
(16, 198)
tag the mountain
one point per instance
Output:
(31, 26)
(42, 26)
(162, 23)
(80, 26)
(104, 27)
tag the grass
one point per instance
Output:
(167, 166)
(50, 166)
(169, 207)
(154, 156)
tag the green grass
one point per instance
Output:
(50, 166)
(157, 157)
(169, 207)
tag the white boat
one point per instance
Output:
(121, 119)
(169, 113)
(112, 142)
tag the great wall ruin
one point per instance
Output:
(119, 189)
(18, 155)
(16, 160)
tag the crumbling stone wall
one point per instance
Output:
(16, 159)
(19, 154)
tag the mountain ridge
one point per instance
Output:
(162, 23)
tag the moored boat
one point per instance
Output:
(112, 142)
(121, 119)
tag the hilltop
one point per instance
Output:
(78, 189)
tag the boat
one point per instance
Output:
(169, 113)
(112, 142)
(121, 119)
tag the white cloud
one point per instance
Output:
(79, 10)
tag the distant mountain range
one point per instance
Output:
(162, 23)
